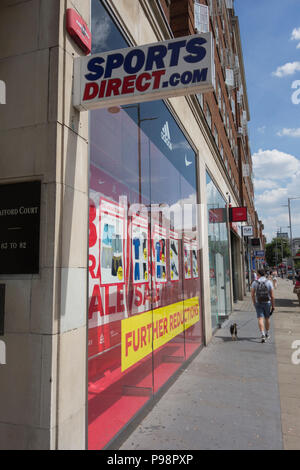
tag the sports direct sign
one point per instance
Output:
(171, 68)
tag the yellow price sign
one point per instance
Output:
(145, 253)
(171, 254)
(172, 274)
(146, 276)
(163, 258)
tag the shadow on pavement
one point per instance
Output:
(240, 338)
(287, 302)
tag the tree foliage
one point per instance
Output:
(277, 250)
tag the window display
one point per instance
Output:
(218, 253)
(144, 314)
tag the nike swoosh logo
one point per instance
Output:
(187, 163)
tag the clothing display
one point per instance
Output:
(195, 263)
(144, 241)
(174, 269)
(106, 257)
(186, 268)
(158, 272)
(173, 247)
(144, 269)
(116, 263)
(136, 242)
(137, 271)
(158, 251)
(108, 231)
(116, 244)
(139, 250)
(162, 243)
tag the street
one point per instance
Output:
(234, 395)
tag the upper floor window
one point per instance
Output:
(219, 95)
(208, 115)
(201, 13)
(200, 99)
(216, 135)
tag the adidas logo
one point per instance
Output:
(165, 135)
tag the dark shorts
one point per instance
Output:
(263, 310)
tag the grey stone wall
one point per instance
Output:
(43, 384)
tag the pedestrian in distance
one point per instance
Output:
(297, 287)
(274, 279)
(262, 293)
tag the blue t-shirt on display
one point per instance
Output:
(158, 248)
(136, 242)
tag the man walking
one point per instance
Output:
(262, 293)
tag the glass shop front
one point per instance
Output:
(145, 317)
(218, 245)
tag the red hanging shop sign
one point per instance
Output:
(238, 214)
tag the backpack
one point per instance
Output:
(262, 293)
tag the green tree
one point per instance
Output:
(277, 250)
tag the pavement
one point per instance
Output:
(235, 394)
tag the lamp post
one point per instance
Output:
(280, 232)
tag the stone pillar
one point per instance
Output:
(205, 274)
(42, 137)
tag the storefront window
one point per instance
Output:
(218, 253)
(144, 286)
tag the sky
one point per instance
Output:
(270, 34)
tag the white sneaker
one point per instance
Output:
(263, 338)
(268, 336)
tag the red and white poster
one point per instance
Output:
(174, 256)
(107, 272)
